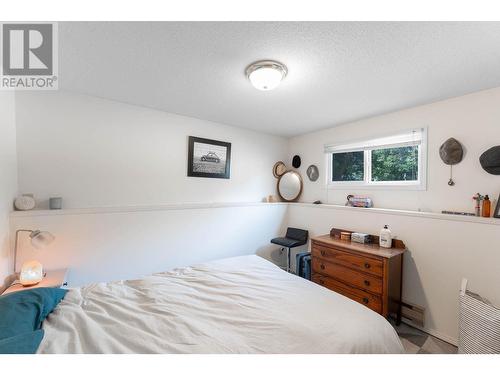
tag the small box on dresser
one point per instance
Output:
(365, 273)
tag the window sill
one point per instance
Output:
(389, 211)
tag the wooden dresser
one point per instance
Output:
(366, 273)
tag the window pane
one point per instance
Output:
(395, 164)
(348, 166)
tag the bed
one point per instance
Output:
(236, 305)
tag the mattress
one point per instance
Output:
(236, 305)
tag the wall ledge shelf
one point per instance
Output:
(200, 206)
(418, 214)
(129, 209)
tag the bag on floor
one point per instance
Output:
(479, 324)
(303, 263)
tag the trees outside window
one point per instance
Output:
(397, 160)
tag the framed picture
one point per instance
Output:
(497, 209)
(209, 158)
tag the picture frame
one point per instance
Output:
(208, 158)
(496, 213)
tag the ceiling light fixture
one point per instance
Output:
(266, 75)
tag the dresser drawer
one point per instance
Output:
(369, 300)
(348, 276)
(365, 264)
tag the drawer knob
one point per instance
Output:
(365, 300)
(323, 253)
(322, 266)
(321, 282)
(367, 283)
(367, 265)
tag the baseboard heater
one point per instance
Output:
(413, 313)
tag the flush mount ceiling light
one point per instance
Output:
(266, 75)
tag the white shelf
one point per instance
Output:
(200, 206)
(122, 209)
(419, 214)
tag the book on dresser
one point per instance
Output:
(366, 273)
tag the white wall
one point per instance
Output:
(440, 253)
(472, 119)
(8, 177)
(95, 152)
(106, 245)
(100, 153)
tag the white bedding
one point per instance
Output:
(234, 305)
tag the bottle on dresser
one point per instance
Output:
(385, 239)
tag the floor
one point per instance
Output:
(418, 342)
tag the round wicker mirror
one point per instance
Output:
(290, 186)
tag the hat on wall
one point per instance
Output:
(451, 152)
(490, 160)
(296, 161)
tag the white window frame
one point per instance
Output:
(363, 145)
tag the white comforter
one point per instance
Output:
(235, 305)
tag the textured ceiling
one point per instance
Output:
(338, 71)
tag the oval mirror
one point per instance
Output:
(290, 186)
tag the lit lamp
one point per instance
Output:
(266, 75)
(32, 271)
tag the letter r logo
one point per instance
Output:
(27, 49)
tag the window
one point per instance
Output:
(348, 166)
(396, 160)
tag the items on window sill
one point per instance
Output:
(482, 207)
(478, 198)
(385, 239)
(486, 211)
(458, 213)
(25, 202)
(55, 203)
(272, 199)
(496, 214)
(359, 201)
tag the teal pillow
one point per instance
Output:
(22, 313)
(26, 343)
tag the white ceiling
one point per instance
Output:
(338, 72)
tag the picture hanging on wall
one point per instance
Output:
(209, 158)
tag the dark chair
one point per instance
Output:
(294, 237)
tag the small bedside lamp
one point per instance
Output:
(32, 271)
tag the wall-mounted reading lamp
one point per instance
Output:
(32, 271)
